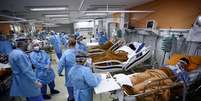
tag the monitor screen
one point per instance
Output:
(150, 24)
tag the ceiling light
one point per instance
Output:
(49, 23)
(57, 15)
(59, 18)
(124, 11)
(49, 9)
(95, 14)
(85, 20)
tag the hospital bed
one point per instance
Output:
(186, 93)
(115, 46)
(135, 57)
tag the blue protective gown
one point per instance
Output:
(23, 79)
(43, 35)
(67, 61)
(81, 47)
(5, 46)
(102, 40)
(83, 81)
(41, 60)
(56, 42)
(64, 40)
(77, 34)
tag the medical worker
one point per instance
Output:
(67, 61)
(102, 39)
(80, 45)
(5, 46)
(77, 33)
(24, 81)
(64, 39)
(56, 43)
(44, 72)
(82, 79)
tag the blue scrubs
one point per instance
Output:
(23, 79)
(41, 61)
(5, 46)
(64, 40)
(102, 40)
(67, 61)
(83, 81)
(43, 35)
(77, 34)
(81, 47)
(44, 87)
(56, 42)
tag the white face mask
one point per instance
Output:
(37, 48)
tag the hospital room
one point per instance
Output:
(100, 50)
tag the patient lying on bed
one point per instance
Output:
(141, 80)
(106, 46)
(110, 55)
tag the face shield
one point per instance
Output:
(37, 45)
(22, 43)
(81, 58)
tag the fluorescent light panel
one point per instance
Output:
(49, 9)
(59, 18)
(124, 11)
(95, 14)
(49, 24)
(56, 15)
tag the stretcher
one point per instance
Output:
(135, 57)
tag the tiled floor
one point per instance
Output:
(59, 81)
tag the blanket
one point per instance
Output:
(106, 46)
(142, 80)
(110, 55)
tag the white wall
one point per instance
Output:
(68, 28)
(84, 24)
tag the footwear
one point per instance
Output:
(70, 100)
(55, 91)
(46, 97)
